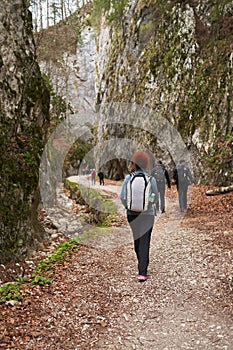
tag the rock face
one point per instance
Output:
(173, 58)
(176, 58)
(24, 106)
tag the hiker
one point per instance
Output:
(141, 223)
(183, 178)
(101, 177)
(93, 176)
(162, 177)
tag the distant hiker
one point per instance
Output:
(101, 177)
(93, 176)
(138, 195)
(162, 177)
(183, 178)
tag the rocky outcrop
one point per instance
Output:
(172, 61)
(24, 106)
(175, 58)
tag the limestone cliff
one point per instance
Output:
(176, 58)
(172, 58)
(24, 106)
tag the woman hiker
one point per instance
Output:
(141, 223)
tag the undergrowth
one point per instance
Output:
(45, 269)
(42, 274)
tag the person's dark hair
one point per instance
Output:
(141, 159)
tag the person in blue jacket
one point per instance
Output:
(141, 223)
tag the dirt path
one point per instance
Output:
(95, 301)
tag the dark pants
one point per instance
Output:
(161, 202)
(182, 196)
(101, 180)
(141, 226)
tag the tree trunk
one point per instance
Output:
(220, 190)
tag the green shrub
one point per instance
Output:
(10, 291)
(41, 280)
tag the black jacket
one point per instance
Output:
(165, 174)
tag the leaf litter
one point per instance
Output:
(95, 302)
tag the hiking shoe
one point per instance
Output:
(142, 278)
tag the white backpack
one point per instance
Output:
(138, 191)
